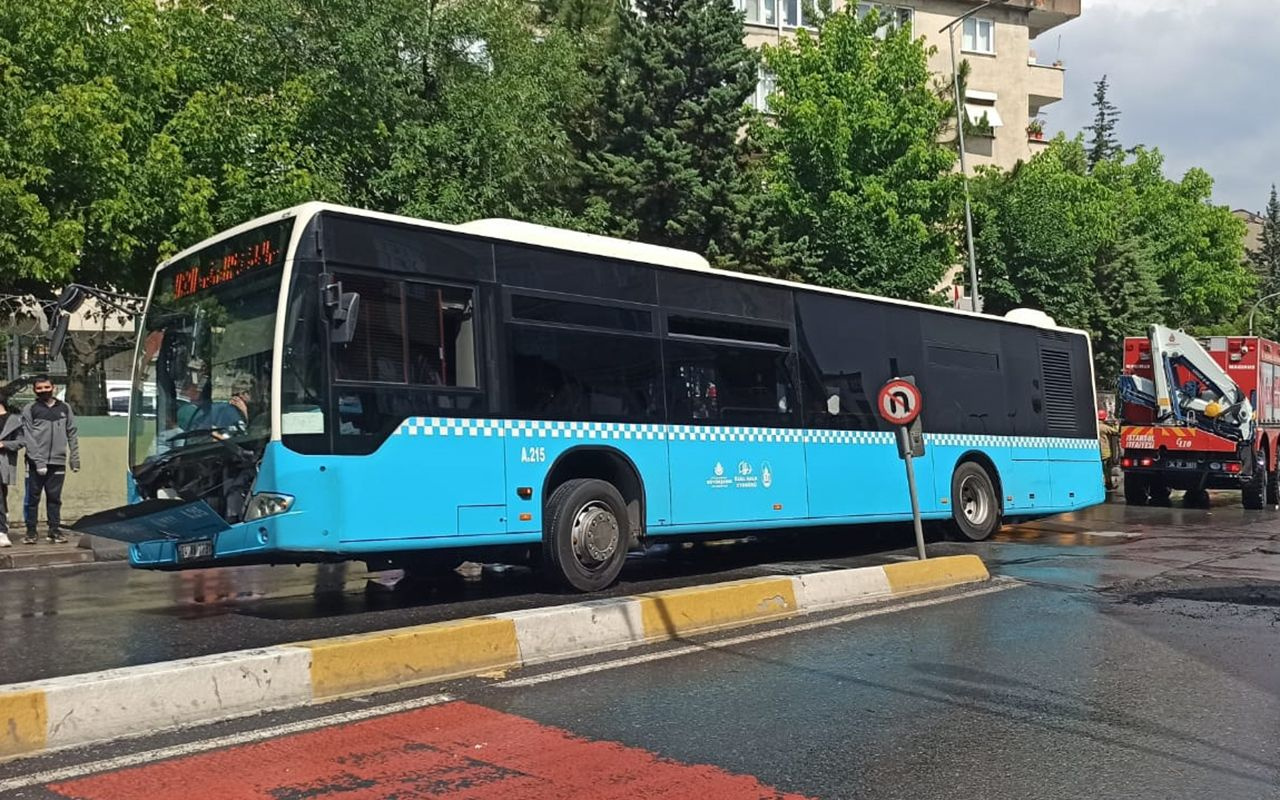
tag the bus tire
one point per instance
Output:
(584, 534)
(975, 506)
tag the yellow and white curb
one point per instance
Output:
(102, 706)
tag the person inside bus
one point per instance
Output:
(231, 416)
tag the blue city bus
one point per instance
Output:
(327, 383)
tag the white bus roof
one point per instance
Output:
(587, 243)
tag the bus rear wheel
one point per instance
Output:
(584, 534)
(975, 506)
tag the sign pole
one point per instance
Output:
(899, 403)
(904, 438)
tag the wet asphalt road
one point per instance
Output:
(1136, 654)
(78, 619)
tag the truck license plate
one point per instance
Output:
(197, 550)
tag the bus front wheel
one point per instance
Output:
(975, 506)
(584, 536)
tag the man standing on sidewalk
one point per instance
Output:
(49, 434)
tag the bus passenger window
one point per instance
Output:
(442, 345)
(732, 385)
(410, 333)
(571, 375)
(377, 351)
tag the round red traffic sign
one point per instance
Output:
(899, 402)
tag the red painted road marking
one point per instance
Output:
(459, 751)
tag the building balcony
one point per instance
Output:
(1044, 84)
(1043, 15)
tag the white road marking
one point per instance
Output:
(190, 748)
(998, 585)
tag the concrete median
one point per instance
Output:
(81, 709)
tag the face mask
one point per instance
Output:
(44, 395)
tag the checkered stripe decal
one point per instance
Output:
(848, 437)
(979, 440)
(622, 431)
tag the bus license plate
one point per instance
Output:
(195, 551)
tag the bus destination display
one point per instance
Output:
(228, 266)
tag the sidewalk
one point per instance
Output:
(42, 554)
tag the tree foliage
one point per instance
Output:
(87, 183)
(129, 129)
(663, 162)
(1266, 259)
(857, 189)
(1104, 143)
(1109, 251)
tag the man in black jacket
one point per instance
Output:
(52, 443)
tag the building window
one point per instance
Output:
(766, 87)
(979, 36)
(980, 108)
(891, 17)
(793, 14)
(760, 12)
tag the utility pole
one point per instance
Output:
(950, 31)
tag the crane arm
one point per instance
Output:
(1222, 408)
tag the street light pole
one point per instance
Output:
(1254, 310)
(950, 31)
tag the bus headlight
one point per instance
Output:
(267, 504)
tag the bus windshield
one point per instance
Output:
(205, 354)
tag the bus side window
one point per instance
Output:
(441, 335)
(573, 375)
(416, 333)
(377, 351)
(730, 384)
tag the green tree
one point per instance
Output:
(1266, 259)
(856, 187)
(1197, 248)
(86, 190)
(1103, 143)
(443, 110)
(1040, 231)
(663, 162)
(1111, 250)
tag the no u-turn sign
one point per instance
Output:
(899, 402)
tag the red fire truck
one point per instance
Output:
(1199, 415)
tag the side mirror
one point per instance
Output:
(58, 334)
(72, 298)
(343, 309)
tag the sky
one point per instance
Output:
(1199, 79)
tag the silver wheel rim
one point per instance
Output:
(595, 535)
(975, 503)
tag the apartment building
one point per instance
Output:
(1010, 83)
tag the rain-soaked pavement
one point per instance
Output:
(1136, 655)
(78, 619)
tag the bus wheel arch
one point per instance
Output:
(609, 465)
(977, 505)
